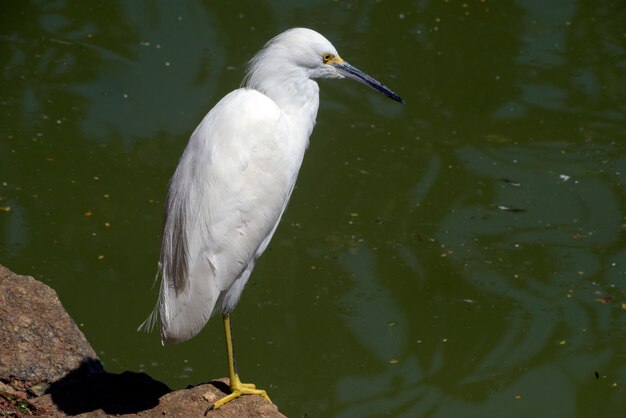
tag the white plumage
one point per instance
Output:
(225, 200)
(234, 180)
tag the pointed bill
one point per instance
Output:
(354, 73)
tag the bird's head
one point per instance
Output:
(304, 51)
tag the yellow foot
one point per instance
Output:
(237, 389)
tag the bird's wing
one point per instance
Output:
(225, 199)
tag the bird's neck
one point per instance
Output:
(295, 94)
(299, 100)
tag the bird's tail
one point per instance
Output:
(184, 312)
(151, 320)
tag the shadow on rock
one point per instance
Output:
(89, 388)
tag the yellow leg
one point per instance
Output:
(236, 387)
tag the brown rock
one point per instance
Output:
(138, 395)
(39, 342)
(101, 394)
(48, 369)
(193, 402)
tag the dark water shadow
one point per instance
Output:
(89, 388)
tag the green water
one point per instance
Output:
(463, 255)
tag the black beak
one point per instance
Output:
(354, 73)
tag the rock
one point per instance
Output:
(39, 342)
(193, 402)
(48, 369)
(138, 395)
(111, 394)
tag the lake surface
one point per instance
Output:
(462, 255)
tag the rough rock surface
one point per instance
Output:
(39, 341)
(48, 369)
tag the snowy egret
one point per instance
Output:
(233, 182)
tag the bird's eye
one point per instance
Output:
(327, 56)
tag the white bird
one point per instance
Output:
(233, 182)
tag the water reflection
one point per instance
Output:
(548, 263)
(382, 329)
(550, 276)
